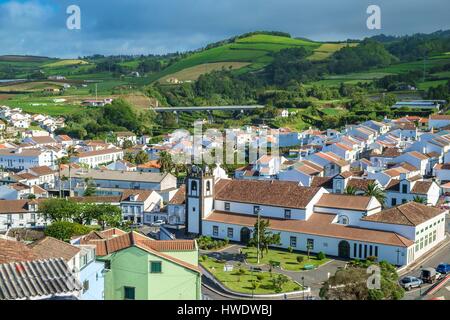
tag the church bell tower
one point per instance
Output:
(199, 198)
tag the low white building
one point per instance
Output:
(338, 225)
(98, 157)
(21, 159)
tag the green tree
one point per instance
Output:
(373, 190)
(351, 283)
(71, 153)
(420, 200)
(107, 215)
(57, 209)
(165, 161)
(127, 144)
(60, 162)
(91, 188)
(129, 156)
(266, 238)
(141, 157)
(350, 190)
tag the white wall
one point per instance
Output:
(328, 245)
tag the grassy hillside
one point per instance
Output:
(253, 53)
(432, 79)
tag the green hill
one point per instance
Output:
(246, 54)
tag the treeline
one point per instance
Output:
(369, 54)
(418, 46)
(99, 123)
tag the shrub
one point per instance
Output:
(290, 249)
(64, 230)
(372, 258)
(300, 259)
(321, 256)
(260, 277)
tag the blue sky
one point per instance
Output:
(38, 27)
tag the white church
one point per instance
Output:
(345, 226)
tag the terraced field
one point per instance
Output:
(251, 53)
(65, 63)
(192, 73)
(327, 49)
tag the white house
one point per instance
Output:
(21, 159)
(403, 190)
(141, 206)
(415, 159)
(98, 157)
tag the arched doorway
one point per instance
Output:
(344, 249)
(245, 235)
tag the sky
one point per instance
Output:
(110, 27)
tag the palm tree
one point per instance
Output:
(165, 161)
(71, 152)
(59, 163)
(421, 200)
(373, 190)
(350, 190)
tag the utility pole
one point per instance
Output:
(259, 230)
(96, 92)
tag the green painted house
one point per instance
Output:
(140, 268)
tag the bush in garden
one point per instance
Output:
(321, 256)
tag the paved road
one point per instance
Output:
(442, 256)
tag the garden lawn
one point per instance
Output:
(243, 283)
(287, 260)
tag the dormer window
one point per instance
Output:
(343, 220)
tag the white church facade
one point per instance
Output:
(345, 226)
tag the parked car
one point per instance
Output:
(443, 268)
(409, 283)
(158, 223)
(429, 275)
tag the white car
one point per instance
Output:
(158, 223)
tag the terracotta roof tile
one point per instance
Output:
(180, 197)
(51, 248)
(344, 201)
(14, 251)
(273, 193)
(360, 184)
(411, 214)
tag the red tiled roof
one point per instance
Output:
(344, 201)
(273, 193)
(127, 240)
(51, 248)
(14, 251)
(180, 197)
(411, 214)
